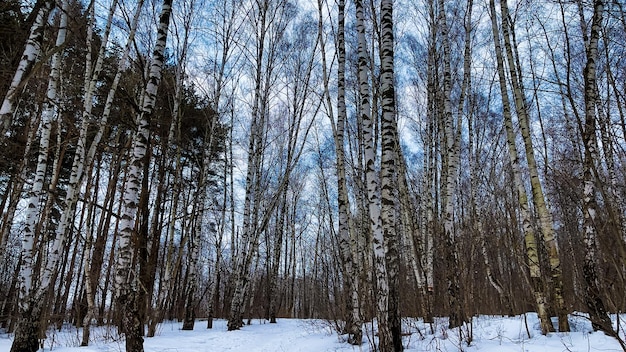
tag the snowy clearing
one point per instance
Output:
(490, 333)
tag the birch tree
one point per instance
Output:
(373, 185)
(452, 136)
(227, 32)
(538, 285)
(593, 298)
(126, 284)
(538, 197)
(14, 187)
(346, 234)
(33, 285)
(198, 223)
(389, 161)
(249, 238)
(85, 154)
(32, 52)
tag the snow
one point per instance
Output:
(490, 334)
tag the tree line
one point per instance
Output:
(351, 161)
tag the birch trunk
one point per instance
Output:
(32, 52)
(215, 288)
(532, 254)
(173, 138)
(273, 291)
(390, 158)
(190, 301)
(373, 187)
(617, 211)
(545, 218)
(93, 266)
(345, 230)
(249, 236)
(452, 160)
(477, 216)
(413, 236)
(299, 90)
(125, 282)
(429, 179)
(593, 297)
(192, 261)
(31, 292)
(89, 290)
(85, 152)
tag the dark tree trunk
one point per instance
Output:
(29, 329)
(190, 311)
(131, 325)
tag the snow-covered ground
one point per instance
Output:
(490, 334)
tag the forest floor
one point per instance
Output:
(488, 333)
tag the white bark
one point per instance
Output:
(451, 160)
(249, 230)
(345, 229)
(593, 298)
(124, 279)
(532, 254)
(31, 293)
(32, 51)
(545, 218)
(49, 114)
(140, 140)
(372, 179)
(390, 158)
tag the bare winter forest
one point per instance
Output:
(352, 161)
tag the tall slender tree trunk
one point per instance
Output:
(198, 224)
(346, 243)
(33, 286)
(191, 285)
(226, 40)
(476, 215)
(250, 232)
(373, 188)
(545, 218)
(269, 28)
(32, 52)
(532, 254)
(273, 289)
(125, 283)
(593, 297)
(390, 158)
(452, 160)
(429, 181)
(88, 294)
(84, 156)
(219, 234)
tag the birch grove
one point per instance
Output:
(360, 162)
